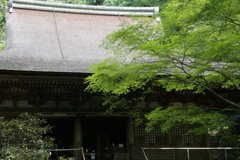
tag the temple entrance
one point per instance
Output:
(62, 131)
(104, 136)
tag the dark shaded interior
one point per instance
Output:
(101, 135)
(62, 132)
(104, 136)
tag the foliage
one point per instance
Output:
(24, 138)
(187, 114)
(63, 158)
(87, 2)
(172, 54)
(135, 3)
(2, 24)
(229, 137)
(67, 1)
(194, 47)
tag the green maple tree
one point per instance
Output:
(195, 46)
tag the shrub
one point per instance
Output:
(24, 138)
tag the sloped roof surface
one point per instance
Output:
(55, 41)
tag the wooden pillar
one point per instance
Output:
(130, 134)
(78, 143)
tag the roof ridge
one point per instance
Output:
(87, 9)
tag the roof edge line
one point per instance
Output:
(99, 12)
(27, 3)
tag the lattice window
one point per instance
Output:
(198, 154)
(137, 153)
(181, 138)
(139, 135)
(153, 137)
(181, 154)
(160, 154)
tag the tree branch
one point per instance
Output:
(211, 91)
(234, 21)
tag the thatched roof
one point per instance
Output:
(54, 37)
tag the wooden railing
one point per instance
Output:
(192, 148)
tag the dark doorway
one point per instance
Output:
(62, 131)
(104, 136)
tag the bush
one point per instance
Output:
(24, 138)
(63, 158)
